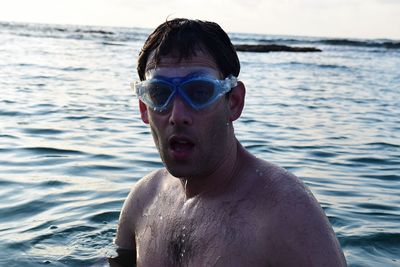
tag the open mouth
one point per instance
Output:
(181, 147)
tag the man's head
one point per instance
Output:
(183, 38)
(186, 66)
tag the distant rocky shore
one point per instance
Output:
(274, 48)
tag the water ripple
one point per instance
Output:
(374, 239)
(25, 209)
(104, 217)
(51, 151)
(42, 131)
(383, 177)
(374, 160)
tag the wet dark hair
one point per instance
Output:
(182, 38)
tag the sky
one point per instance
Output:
(322, 18)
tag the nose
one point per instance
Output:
(180, 113)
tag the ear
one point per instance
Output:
(236, 101)
(143, 112)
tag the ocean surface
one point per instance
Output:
(72, 143)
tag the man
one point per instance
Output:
(214, 204)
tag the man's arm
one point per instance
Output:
(141, 194)
(125, 238)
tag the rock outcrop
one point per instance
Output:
(273, 48)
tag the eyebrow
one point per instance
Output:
(192, 74)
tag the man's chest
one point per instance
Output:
(208, 235)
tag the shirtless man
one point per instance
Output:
(214, 203)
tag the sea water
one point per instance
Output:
(72, 142)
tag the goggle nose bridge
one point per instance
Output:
(177, 92)
(176, 81)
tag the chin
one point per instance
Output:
(181, 172)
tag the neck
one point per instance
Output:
(218, 180)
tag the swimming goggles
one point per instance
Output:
(197, 91)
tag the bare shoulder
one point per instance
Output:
(298, 230)
(139, 197)
(144, 190)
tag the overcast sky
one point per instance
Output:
(324, 18)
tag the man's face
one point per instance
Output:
(191, 143)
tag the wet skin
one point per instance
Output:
(215, 204)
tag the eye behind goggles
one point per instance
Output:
(198, 92)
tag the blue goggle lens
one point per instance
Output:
(157, 93)
(199, 92)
